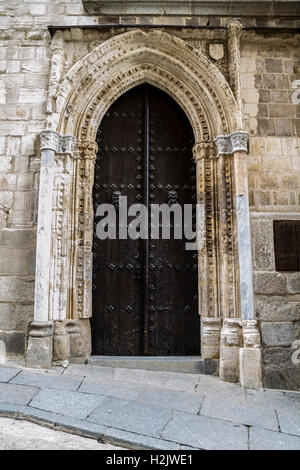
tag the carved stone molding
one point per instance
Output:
(234, 142)
(134, 57)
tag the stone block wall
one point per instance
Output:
(269, 70)
(269, 66)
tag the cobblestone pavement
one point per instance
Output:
(144, 409)
(23, 435)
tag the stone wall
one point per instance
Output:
(269, 65)
(269, 68)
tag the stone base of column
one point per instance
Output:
(250, 356)
(71, 341)
(250, 368)
(210, 337)
(231, 340)
(39, 345)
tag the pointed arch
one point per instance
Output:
(135, 57)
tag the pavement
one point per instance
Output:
(144, 409)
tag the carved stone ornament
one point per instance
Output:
(234, 142)
(216, 51)
(51, 140)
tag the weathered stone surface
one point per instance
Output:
(77, 405)
(282, 379)
(42, 379)
(250, 367)
(240, 413)
(270, 283)
(275, 308)
(136, 441)
(261, 439)
(14, 342)
(277, 333)
(205, 433)
(111, 388)
(131, 416)
(263, 251)
(16, 394)
(7, 373)
(189, 402)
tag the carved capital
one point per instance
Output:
(235, 27)
(49, 140)
(61, 144)
(203, 150)
(234, 142)
(88, 149)
(239, 141)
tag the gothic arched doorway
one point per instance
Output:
(145, 291)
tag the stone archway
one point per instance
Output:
(68, 148)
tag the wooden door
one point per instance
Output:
(145, 295)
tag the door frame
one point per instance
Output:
(68, 151)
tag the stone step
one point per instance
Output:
(187, 364)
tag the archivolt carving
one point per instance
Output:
(131, 58)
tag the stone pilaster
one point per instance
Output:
(240, 350)
(83, 233)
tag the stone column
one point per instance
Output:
(207, 250)
(39, 348)
(240, 349)
(250, 353)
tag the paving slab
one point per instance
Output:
(235, 412)
(10, 410)
(205, 433)
(181, 382)
(261, 439)
(131, 416)
(112, 388)
(174, 399)
(86, 370)
(147, 377)
(16, 394)
(66, 403)
(214, 387)
(289, 422)
(46, 380)
(7, 373)
(275, 400)
(137, 441)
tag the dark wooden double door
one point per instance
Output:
(145, 295)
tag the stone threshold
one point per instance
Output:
(185, 364)
(103, 434)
